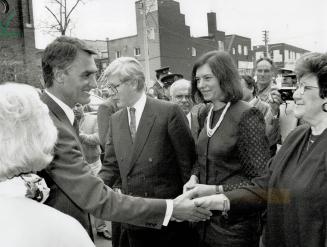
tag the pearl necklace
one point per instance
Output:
(210, 131)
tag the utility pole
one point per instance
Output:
(107, 41)
(145, 43)
(266, 40)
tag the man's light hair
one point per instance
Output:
(27, 133)
(181, 83)
(127, 69)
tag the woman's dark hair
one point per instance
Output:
(316, 64)
(225, 70)
(250, 83)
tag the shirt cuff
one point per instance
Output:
(169, 212)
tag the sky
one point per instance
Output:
(300, 23)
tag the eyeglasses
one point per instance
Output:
(113, 89)
(302, 87)
(182, 97)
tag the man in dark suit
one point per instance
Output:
(151, 149)
(180, 93)
(69, 74)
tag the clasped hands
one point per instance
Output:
(196, 202)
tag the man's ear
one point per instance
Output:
(58, 76)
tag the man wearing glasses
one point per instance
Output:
(150, 148)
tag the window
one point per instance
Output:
(137, 51)
(239, 49)
(246, 51)
(220, 45)
(234, 51)
(193, 52)
(118, 54)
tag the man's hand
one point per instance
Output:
(275, 100)
(213, 202)
(190, 183)
(185, 209)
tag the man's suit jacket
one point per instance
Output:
(194, 126)
(76, 192)
(105, 111)
(160, 160)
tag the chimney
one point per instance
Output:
(212, 23)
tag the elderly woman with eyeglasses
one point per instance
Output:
(27, 138)
(294, 188)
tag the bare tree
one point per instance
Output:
(61, 11)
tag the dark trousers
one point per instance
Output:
(174, 235)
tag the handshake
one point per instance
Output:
(196, 202)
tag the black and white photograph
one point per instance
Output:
(163, 123)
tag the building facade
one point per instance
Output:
(283, 55)
(19, 59)
(169, 40)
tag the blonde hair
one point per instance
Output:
(126, 68)
(27, 133)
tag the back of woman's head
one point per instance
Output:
(27, 133)
(314, 63)
(224, 69)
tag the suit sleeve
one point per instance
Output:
(73, 176)
(104, 113)
(182, 140)
(110, 173)
(252, 198)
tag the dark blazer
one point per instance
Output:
(195, 128)
(76, 192)
(105, 110)
(160, 160)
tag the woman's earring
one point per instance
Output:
(324, 107)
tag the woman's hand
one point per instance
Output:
(200, 190)
(213, 202)
(190, 183)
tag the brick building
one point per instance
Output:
(240, 48)
(19, 59)
(169, 40)
(283, 55)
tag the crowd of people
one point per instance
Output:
(196, 163)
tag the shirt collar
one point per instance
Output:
(140, 104)
(67, 110)
(188, 116)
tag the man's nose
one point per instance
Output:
(93, 83)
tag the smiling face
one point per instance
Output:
(208, 84)
(308, 104)
(74, 84)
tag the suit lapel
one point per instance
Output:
(56, 110)
(144, 128)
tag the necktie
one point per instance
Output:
(132, 122)
(76, 127)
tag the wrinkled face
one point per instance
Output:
(182, 97)
(247, 92)
(124, 91)
(307, 100)
(78, 79)
(264, 72)
(208, 84)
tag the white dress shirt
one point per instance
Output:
(67, 110)
(139, 108)
(189, 119)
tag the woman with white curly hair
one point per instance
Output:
(27, 138)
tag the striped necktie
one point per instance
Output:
(132, 122)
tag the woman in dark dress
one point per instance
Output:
(232, 148)
(294, 188)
